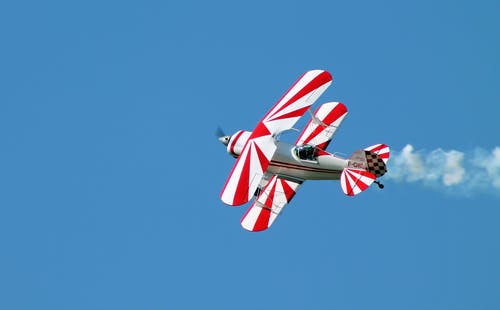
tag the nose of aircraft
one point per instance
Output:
(221, 136)
(225, 140)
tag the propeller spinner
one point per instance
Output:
(222, 137)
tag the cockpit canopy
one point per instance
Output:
(306, 152)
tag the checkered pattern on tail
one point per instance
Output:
(375, 164)
(381, 150)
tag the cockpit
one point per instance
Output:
(305, 152)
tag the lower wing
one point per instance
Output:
(271, 201)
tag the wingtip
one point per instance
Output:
(327, 75)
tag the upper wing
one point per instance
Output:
(295, 102)
(322, 126)
(254, 159)
(277, 193)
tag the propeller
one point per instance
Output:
(221, 136)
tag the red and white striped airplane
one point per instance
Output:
(273, 170)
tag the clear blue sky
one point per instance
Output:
(110, 174)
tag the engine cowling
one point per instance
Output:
(237, 142)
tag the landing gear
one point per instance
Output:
(380, 185)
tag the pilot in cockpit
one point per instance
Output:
(306, 152)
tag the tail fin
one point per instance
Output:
(382, 150)
(364, 166)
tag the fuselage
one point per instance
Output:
(300, 162)
(321, 166)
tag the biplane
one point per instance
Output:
(270, 171)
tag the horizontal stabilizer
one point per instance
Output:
(354, 181)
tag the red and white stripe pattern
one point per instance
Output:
(381, 150)
(248, 170)
(260, 147)
(275, 196)
(354, 181)
(295, 102)
(330, 115)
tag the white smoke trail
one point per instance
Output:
(454, 171)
